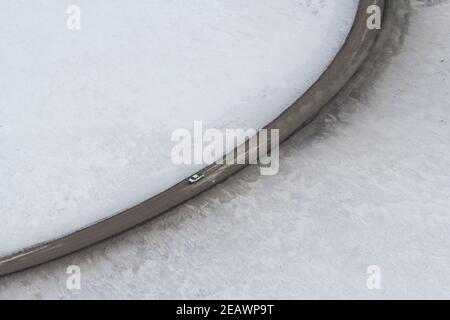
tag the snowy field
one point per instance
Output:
(368, 183)
(86, 115)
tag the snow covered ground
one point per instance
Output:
(86, 116)
(368, 183)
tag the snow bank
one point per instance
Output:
(86, 115)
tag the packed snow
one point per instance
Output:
(86, 115)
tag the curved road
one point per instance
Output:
(365, 184)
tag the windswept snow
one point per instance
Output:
(86, 115)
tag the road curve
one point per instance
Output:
(346, 63)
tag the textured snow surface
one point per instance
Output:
(86, 116)
(367, 184)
